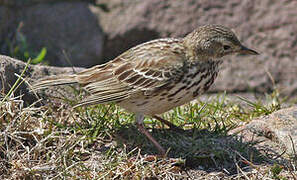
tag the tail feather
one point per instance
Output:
(54, 81)
(94, 99)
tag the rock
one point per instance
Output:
(9, 67)
(268, 27)
(75, 26)
(279, 127)
(14, 3)
(8, 27)
(60, 26)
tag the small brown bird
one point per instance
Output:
(158, 75)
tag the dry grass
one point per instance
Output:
(54, 141)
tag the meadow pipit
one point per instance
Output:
(158, 75)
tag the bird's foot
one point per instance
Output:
(142, 129)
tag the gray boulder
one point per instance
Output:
(276, 130)
(9, 67)
(74, 26)
(58, 26)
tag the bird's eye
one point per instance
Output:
(226, 47)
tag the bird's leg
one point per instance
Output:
(141, 128)
(171, 125)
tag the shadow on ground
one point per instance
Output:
(200, 149)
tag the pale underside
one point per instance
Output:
(175, 94)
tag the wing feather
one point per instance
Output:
(140, 69)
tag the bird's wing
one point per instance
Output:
(142, 68)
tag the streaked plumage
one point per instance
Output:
(156, 76)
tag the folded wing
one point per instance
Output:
(140, 69)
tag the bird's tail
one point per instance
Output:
(54, 81)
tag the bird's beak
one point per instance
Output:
(245, 50)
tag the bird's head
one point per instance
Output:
(214, 41)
